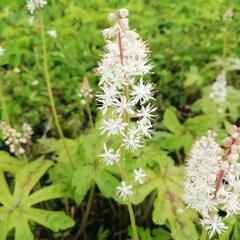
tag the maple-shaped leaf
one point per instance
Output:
(18, 210)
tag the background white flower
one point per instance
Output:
(2, 50)
(52, 33)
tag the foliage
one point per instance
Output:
(186, 40)
(17, 207)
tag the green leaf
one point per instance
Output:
(193, 77)
(28, 177)
(5, 195)
(51, 192)
(106, 183)
(23, 231)
(82, 180)
(232, 224)
(141, 191)
(171, 122)
(56, 145)
(169, 206)
(9, 163)
(50, 219)
(17, 209)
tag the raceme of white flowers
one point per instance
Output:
(15, 140)
(212, 180)
(124, 92)
(85, 93)
(218, 91)
(52, 33)
(2, 50)
(33, 5)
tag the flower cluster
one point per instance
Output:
(219, 92)
(27, 131)
(13, 139)
(85, 93)
(52, 33)
(2, 50)
(33, 5)
(228, 15)
(124, 92)
(212, 179)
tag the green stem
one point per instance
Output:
(132, 218)
(5, 116)
(125, 118)
(225, 36)
(90, 116)
(49, 88)
(179, 158)
(86, 214)
(204, 234)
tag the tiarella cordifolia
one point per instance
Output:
(2, 50)
(218, 91)
(52, 33)
(27, 131)
(13, 139)
(85, 93)
(33, 5)
(212, 180)
(125, 94)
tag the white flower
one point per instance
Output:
(214, 225)
(113, 126)
(109, 157)
(146, 113)
(13, 139)
(123, 12)
(228, 15)
(40, 3)
(124, 190)
(212, 179)
(2, 50)
(31, 20)
(142, 92)
(139, 175)
(27, 131)
(108, 97)
(124, 106)
(52, 33)
(219, 92)
(132, 142)
(201, 173)
(145, 128)
(31, 6)
(232, 204)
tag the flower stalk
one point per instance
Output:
(123, 91)
(5, 116)
(125, 119)
(49, 87)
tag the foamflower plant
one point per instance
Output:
(212, 181)
(125, 95)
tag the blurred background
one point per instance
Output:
(184, 37)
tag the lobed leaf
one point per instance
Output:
(9, 163)
(50, 219)
(28, 177)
